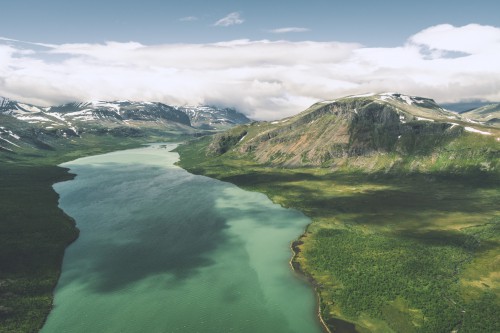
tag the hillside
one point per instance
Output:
(404, 204)
(370, 133)
(488, 114)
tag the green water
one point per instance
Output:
(162, 250)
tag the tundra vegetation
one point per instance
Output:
(404, 202)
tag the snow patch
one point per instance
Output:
(29, 108)
(106, 105)
(407, 99)
(362, 95)
(32, 118)
(418, 101)
(6, 148)
(12, 143)
(15, 136)
(470, 129)
(244, 136)
(55, 115)
(472, 121)
(425, 119)
(385, 97)
(279, 121)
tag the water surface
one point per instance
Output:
(162, 250)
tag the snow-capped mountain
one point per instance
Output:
(119, 111)
(35, 124)
(212, 117)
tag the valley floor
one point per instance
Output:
(417, 252)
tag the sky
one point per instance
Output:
(269, 59)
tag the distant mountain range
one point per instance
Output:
(35, 126)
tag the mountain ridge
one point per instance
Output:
(29, 126)
(353, 128)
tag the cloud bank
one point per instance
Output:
(264, 79)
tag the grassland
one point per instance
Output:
(34, 232)
(392, 250)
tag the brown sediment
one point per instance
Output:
(294, 246)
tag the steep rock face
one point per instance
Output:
(223, 142)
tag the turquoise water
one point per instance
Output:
(162, 250)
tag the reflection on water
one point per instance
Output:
(162, 250)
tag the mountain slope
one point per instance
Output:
(212, 117)
(365, 131)
(404, 202)
(488, 114)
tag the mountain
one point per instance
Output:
(487, 114)
(212, 117)
(26, 126)
(97, 112)
(120, 111)
(403, 198)
(367, 131)
(29, 126)
(460, 107)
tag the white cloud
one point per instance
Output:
(188, 19)
(229, 19)
(287, 30)
(264, 79)
(472, 38)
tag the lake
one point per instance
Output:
(163, 250)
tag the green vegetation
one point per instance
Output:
(33, 231)
(411, 248)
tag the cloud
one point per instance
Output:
(188, 19)
(472, 38)
(230, 19)
(287, 30)
(264, 79)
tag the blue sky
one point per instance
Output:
(371, 23)
(268, 59)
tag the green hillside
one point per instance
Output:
(404, 202)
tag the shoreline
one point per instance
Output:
(296, 267)
(70, 176)
(294, 247)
